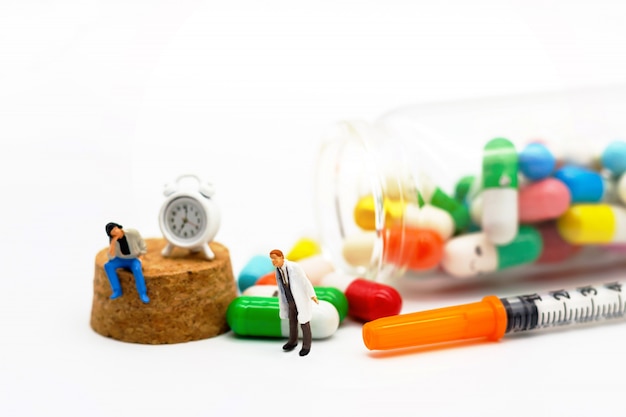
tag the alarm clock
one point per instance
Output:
(189, 218)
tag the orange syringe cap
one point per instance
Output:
(484, 319)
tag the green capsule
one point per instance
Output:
(330, 294)
(474, 253)
(254, 316)
(334, 296)
(260, 317)
(499, 217)
(457, 210)
(463, 186)
(525, 248)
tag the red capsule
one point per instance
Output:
(267, 279)
(367, 300)
(555, 248)
(543, 200)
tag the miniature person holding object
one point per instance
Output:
(294, 292)
(126, 248)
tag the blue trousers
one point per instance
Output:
(135, 267)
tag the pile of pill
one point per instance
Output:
(523, 208)
(255, 312)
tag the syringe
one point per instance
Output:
(493, 317)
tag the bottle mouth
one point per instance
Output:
(345, 173)
(362, 182)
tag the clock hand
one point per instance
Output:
(191, 223)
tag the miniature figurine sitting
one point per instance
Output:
(126, 248)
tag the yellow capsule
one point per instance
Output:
(593, 224)
(304, 248)
(365, 212)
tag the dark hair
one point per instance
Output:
(110, 226)
(277, 252)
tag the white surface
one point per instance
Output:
(102, 103)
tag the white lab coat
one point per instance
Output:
(302, 291)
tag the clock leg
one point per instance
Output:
(167, 250)
(208, 253)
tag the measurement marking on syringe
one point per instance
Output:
(593, 309)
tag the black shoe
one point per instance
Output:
(289, 346)
(304, 352)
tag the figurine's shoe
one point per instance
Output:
(289, 346)
(144, 298)
(116, 294)
(304, 352)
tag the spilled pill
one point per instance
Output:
(367, 300)
(333, 295)
(267, 279)
(254, 269)
(315, 267)
(303, 248)
(259, 316)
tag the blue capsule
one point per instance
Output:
(585, 186)
(536, 161)
(256, 267)
(614, 157)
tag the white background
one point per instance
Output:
(102, 103)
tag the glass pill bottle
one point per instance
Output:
(494, 187)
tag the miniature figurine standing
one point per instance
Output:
(125, 250)
(294, 295)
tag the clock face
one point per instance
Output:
(185, 218)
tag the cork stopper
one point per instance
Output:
(189, 297)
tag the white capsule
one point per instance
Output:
(338, 279)
(469, 255)
(499, 214)
(316, 267)
(261, 291)
(476, 209)
(324, 321)
(430, 217)
(357, 248)
(577, 151)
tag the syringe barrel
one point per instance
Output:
(564, 307)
